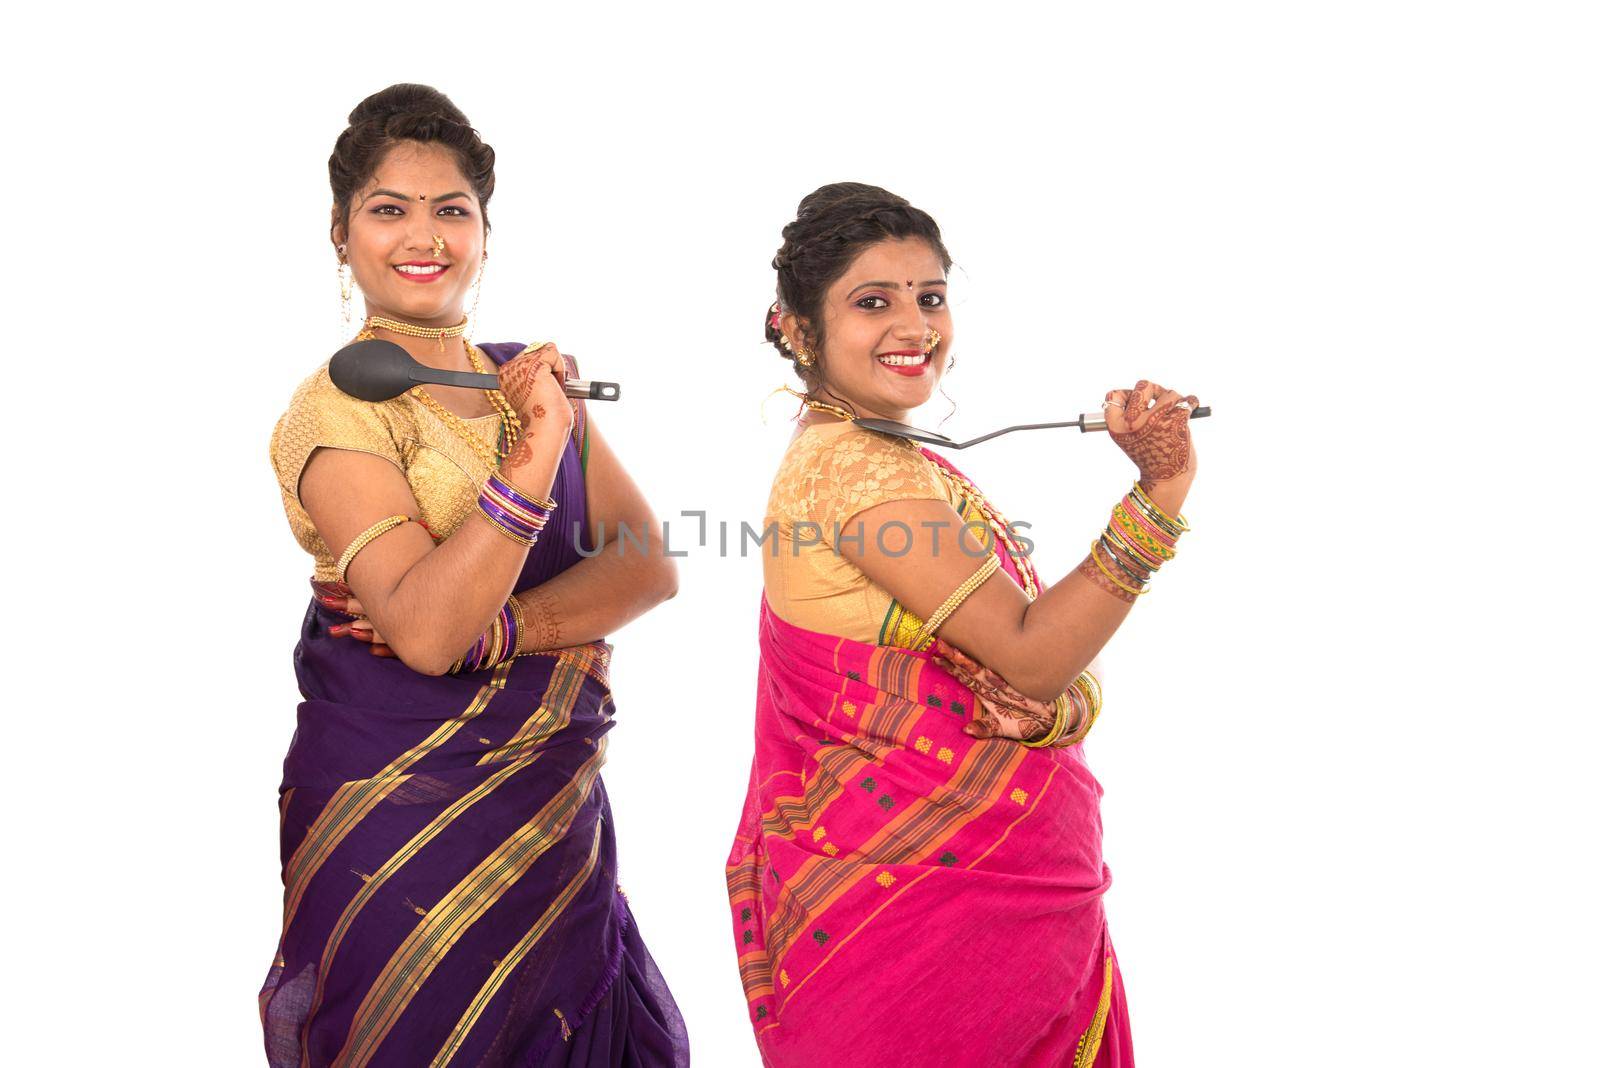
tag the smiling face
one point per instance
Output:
(878, 321)
(416, 199)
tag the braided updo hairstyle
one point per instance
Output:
(405, 112)
(833, 226)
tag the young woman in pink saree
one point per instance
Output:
(917, 876)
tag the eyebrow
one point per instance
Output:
(892, 285)
(457, 195)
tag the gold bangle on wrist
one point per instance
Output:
(521, 622)
(1056, 728)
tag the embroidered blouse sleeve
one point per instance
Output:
(858, 469)
(321, 416)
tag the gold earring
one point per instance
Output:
(438, 246)
(477, 291)
(804, 357)
(346, 290)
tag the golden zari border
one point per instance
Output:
(351, 802)
(443, 926)
(508, 964)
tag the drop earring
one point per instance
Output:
(346, 289)
(477, 291)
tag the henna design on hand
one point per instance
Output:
(543, 622)
(517, 378)
(1160, 447)
(520, 455)
(1002, 710)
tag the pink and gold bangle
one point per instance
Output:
(1173, 524)
(1143, 536)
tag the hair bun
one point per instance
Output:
(408, 99)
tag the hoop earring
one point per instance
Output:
(948, 401)
(949, 365)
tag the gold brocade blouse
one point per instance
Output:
(831, 472)
(443, 470)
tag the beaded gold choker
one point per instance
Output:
(510, 424)
(438, 333)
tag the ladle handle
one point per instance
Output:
(1088, 422)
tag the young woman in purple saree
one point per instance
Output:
(449, 867)
(917, 876)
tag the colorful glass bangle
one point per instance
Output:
(1114, 537)
(1177, 524)
(1128, 563)
(501, 642)
(365, 538)
(1132, 512)
(520, 498)
(1094, 552)
(515, 514)
(507, 524)
(1062, 703)
(529, 516)
(1142, 535)
(519, 627)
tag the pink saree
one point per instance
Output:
(904, 894)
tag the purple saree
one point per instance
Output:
(449, 868)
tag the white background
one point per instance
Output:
(1348, 739)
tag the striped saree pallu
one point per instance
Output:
(902, 893)
(449, 877)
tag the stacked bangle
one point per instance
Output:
(1076, 710)
(1138, 540)
(497, 644)
(517, 515)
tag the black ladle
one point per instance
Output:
(1085, 424)
(379, 370)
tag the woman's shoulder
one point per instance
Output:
(832, 470)
(320, 414)
(845, 445)
(317, 399)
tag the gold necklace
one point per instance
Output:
(489, 456)
(510, 424)
(439, 333)
(997, 523)
(821, 406)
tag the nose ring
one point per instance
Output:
(438, 246)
